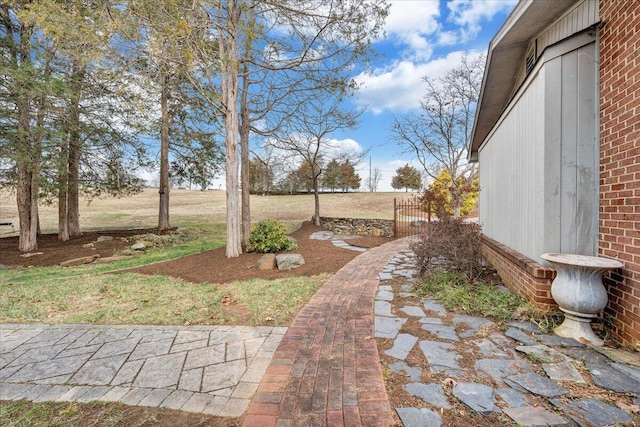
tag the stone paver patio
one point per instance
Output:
(206, 369)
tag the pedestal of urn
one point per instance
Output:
(579, 292)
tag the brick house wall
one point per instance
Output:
(619, 224)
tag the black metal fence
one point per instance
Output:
(410, 217)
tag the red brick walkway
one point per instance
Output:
(326, 370)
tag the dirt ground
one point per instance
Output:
(211, 266)
(320, 256)
(52, 251)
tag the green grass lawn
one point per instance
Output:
(102, 294)
(99, 294)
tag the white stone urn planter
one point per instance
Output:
(579, 292)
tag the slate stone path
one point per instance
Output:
(337, 240)
(205, 369)
(502, 379)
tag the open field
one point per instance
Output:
(189, 207)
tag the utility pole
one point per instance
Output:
(370, 183)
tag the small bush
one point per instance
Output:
(269, 236)
(451, 243)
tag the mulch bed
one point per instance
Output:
(211, 266)
(53, 251)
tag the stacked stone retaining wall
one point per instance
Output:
(358, 226)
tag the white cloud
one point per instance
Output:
(410, 23)
(447, 38)
(336, 147)
(400, 87)
(397, 88)
(410, 16)
(468, 14)
(331, 148)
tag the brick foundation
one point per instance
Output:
(520, 274)
(620, 163)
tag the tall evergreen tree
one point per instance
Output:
(331, 175)
(26, 64)
(349, 179)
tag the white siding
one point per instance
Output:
(581, 17)
(512, 172)
(539, 165)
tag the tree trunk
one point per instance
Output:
(229, 74)
(27, 209)
(244, 158)
(75, 144)
(63, 190)
(28, 163)
(28, 181)
(245, 128)
(73, 197)
(316, 198)
(455, 202)
(163, 211)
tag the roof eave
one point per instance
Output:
(505, 55)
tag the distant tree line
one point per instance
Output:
(274, 178)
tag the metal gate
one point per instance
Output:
(410, 217)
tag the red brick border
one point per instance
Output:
(326, 370)
(521, 274)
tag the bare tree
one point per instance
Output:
(306, 137)
(374, 179)
(439, 135)
(271, 46)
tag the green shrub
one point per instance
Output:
(269, 236)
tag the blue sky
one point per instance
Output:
(423, 37)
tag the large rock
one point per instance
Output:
(114, 258)
(419, 417)
(537, 384)
(478, 397)
(30, 254)
(289, 261)
(140, 246)
(266, 262)
(79, 261)
(595, 412)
